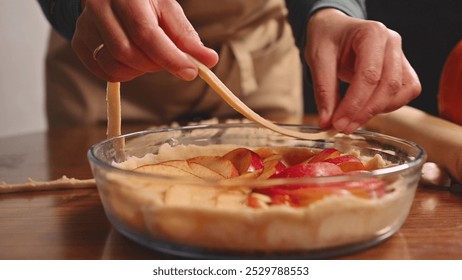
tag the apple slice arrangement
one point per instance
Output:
(278, 163)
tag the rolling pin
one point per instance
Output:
(441, 139)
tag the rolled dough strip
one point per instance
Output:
(113, 129)
(228, 96)
(63, 183)
(114, 116)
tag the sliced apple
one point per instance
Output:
(347, 163)
(271, 167)
(304, 194)
(325, 154)
(181, 168)
(309, 169)
(265, 152)
(218, 164)
(292, 156)
(205, 172)
(245, 160)
(257, 200)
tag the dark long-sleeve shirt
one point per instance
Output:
(301, 10)
(63, 14)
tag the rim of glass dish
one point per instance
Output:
(418, 160)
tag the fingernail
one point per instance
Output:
(351, 127)
(187, 74)
(342, 124)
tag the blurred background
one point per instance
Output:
(429, 29)
(24, 33)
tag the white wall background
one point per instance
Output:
(24, 36)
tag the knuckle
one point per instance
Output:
(395, 36)
(414, 89)
(394, 86)
(142, 31)
(376, 27)
(372, 110)
(355, 106)
(191, 33)
(417, 88)
(120, 49)
(188, 37)
(415, 92)
(140, 35)
(371, 28)
(371, 76)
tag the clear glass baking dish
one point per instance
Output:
(201, 219)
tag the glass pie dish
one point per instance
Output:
(202, 216)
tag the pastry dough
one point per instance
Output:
(215, 216)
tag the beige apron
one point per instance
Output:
(258, 62)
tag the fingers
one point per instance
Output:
(371, 73)
(410, 88)
(141, 19)
(182, 33)
(382, 81)
(139, 36)
(118, 60)
(323, 69)
(162, 31)
(365, 54)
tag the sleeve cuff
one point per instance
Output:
(355, 9)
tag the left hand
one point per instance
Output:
(138, 36)
(365, 54)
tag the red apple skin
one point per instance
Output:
(347, 163)
(279, 167)
(292, 156)
(309, 169)
(305, 196)
(283, 199)
(325, 154)
(256, 162)
(301, 195)
(253, 202)
(271, 167)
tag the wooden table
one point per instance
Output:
(71, 224)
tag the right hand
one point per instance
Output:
(139, 36)
(365, 54)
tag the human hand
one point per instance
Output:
(139, 36)
(365, 54)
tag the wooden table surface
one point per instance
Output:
(71, 224)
